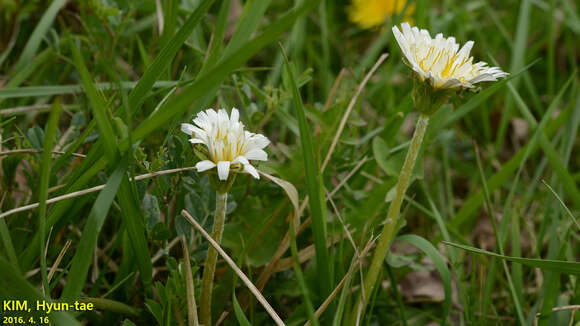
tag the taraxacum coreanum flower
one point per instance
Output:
(225, 143)
(440, 62)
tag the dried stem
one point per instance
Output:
(90, 190)
(236, 269)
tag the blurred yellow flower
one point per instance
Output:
(371, 13)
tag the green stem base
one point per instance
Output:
(210, 261)
(393, 218)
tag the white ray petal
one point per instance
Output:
(251, 170)
(257, 154)
(223, 168)
(187, 128)
(241, 159)
(204, 165)
(235, 116)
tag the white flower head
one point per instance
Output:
(229, 146)
(440, 62)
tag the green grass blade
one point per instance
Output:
(314, 185)
(60, 209)
(15, 286)
(45, 168)
(40, 91)
(20, 76)
(561, 266)
(475, 200)
(85, 250)
(38, 34)
(514, 289)
(8, 245)
(517, 61)
(165, 57)
(131, 212)
(253, 12)
(572, 218)
(218, 36)
(240, 317)
(432, 252)
(135, 225)
(98, 106)
(553, 156)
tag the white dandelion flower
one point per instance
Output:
(440, 61)
(229, 146)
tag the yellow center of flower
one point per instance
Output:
(444, 61)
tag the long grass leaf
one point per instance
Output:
(41, 91)
(314, 185)
(98, 106)
(83, 255)
(561, 266)
(45, 168)
(499, 240)
(14, 286)
(242, 319)
(252, 14)
(38, 34)
(475, 200)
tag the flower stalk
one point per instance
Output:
(393, 220)
(211, 259)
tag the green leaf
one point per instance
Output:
(150, 207)
(439, 263)
(381, 154)
(561, 266)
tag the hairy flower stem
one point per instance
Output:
(210, 261)
(393, 219)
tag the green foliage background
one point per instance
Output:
(105, 84)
